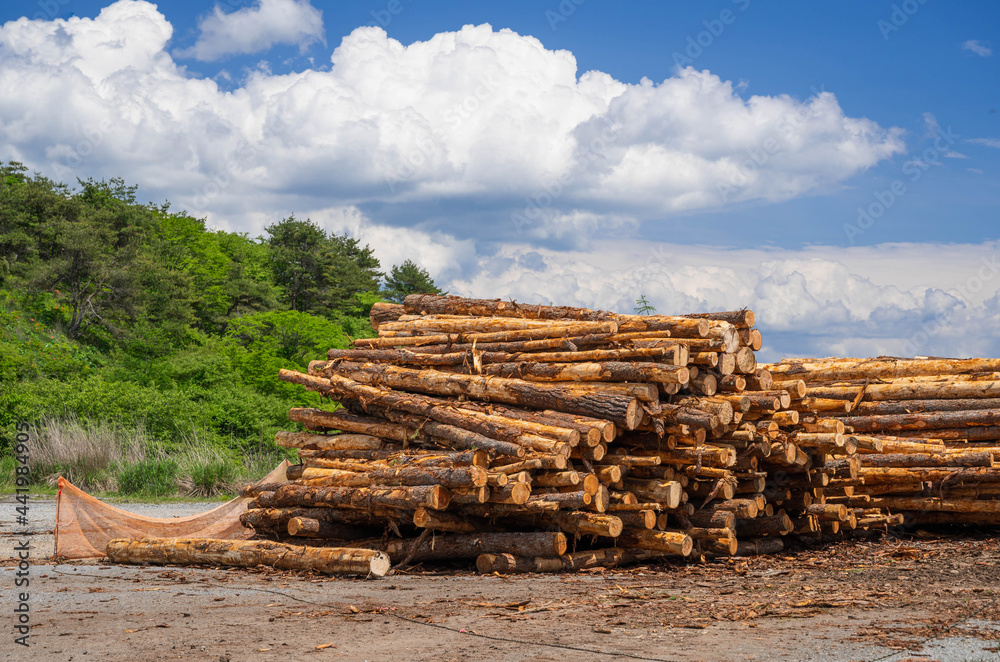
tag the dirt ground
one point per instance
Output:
(918, 595)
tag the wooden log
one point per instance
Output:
(306, 527)
(415, 457)
(431, 496)
(966, 458)
(972, 433)
(742, 508)
(713, 519)
(817, 370)
(668, 542)
(609, 371)
(719, 546)
(775, 525)
(938, 504)
(248, 554)
(432, 325)
(637, 519)
(581, 523)
(445, 521)
(666, 492)
(505, 564)
(429, 304)
(623, 410)
(470, 545)
(757, 546)
(946, 388)
(450, 477)
(515, 493)
(929, 420)
(327, 441)
(385, 312)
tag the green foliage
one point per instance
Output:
(123, 314)
(149, 477)
(321, 274)
(406, 279)
(643, 307)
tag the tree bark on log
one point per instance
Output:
(620, 409)
(669, 542)
(347, 441)
(594, 372)
(305, 527)
(450, 477)
(470, 545)
(248, 554)
(430, 496)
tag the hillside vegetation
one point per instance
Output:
(144, 347)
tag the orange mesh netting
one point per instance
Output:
(84, 525)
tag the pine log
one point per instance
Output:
(504, 564)
(470, 545)
(384, 312)
(449, 477)
(743, 319)
(248, 554)
(669, 542)
(445, 521)
(775, 525)
(947, 387)
(327, 442)
(430, 496)
(413, 457)
(570, 399)
(756, 546)
(816, 370)
(967, 458)
(609, 371)
(306, 527)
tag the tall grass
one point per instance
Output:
(104, 458)
(86, 455)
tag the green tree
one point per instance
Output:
(643, 307)
(408, 278)
(321, 274)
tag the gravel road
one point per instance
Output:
(850, 601)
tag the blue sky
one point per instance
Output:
(885, 116)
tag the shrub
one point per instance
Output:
(149, 477)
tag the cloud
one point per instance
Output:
(988, 142)
(256, 29)
(484, 133)
(974, 46)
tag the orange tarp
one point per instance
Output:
(84, 525)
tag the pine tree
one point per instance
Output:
(406, 279)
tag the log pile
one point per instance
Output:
(927, 432)
(545, 438)
(542, 437)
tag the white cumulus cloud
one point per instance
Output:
(255, 29)
(410, 133)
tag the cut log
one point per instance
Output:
(668, 542)
(248, 554)
(431, 496)
(471, 545)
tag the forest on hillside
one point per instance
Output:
(143, 346)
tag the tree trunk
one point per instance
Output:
(470, 545)
(621, 409)
(449, 477)
(595, 372)
(670, 542)
(430, 496)
(305, 527)
(248, 554)
(327, 442)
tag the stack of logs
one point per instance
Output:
(543, 438)
(927, 431)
